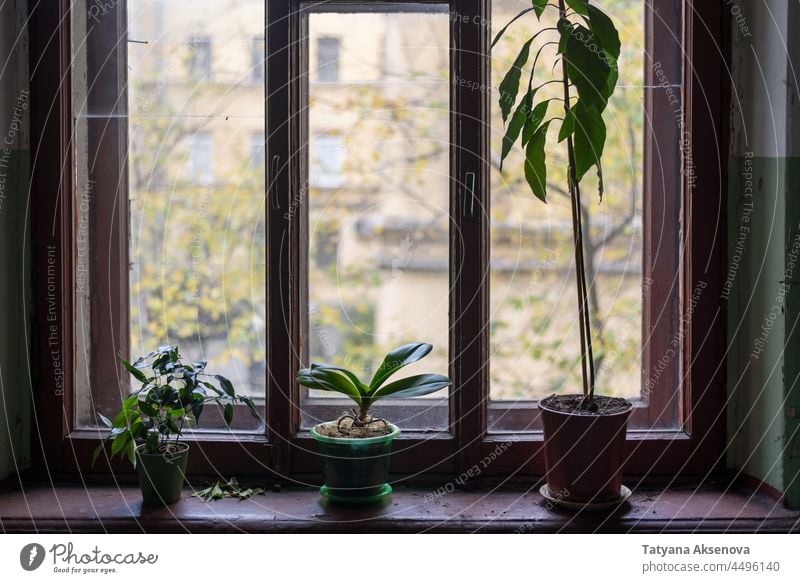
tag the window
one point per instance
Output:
(257, 60)
(327, 161)
(200, 162)
(200, 58)
(379, 217)
(378, 260)
(328, 59)
(257, 141)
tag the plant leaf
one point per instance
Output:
(226, 385)
(567, 126)
(587, 67)
(605, 31)
(534, 120)
(362, 388)
(228, 414)
(397, 359)
(535, 167)
(509, 86)
(516, 124)
(590, 138)
(579, 6)
(137, 374)
(96, 452)
(252, 408)
(539, 6)
(413, 386)
(106, 421)
(327, 379)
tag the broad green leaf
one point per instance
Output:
(197, 408)
(362, 388)
(535, 167)
(516, 124)
(228, 414)
(567, 126)
(120, 443)
(590, 138)
(137, 374)
(534, 120)
(611, 82)
(328, 380)
(587, 67)
(226, 385)
(106, 421)
(413, 386)
(397, 359)
(579, 6)
(131, 451)
(539, 6)
(605, 31)
(509, 86)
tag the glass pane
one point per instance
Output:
(196, 135)
(378, 209)
(535, 348)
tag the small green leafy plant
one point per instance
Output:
(171, 397)
(326, 377)
(588, 49)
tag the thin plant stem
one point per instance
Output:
(587, 356)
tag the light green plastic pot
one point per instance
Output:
(355, 471)
(161, 475)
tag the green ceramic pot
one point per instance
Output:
(161, 475)
(355, 471)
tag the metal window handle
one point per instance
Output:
(276, 160)
(469, 194)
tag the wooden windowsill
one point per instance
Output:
(73, 509)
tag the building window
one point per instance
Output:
(257, 61)
(200, 161)
(327, 161)
(200, 58)
(257, 143)
(328, 48)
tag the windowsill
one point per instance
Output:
(110, 509)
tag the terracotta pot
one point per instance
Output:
(584, 454)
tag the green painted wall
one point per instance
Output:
(764, 246)
(757, 304)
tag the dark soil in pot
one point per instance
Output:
(355, 460)
(161, 474)
(584, 446)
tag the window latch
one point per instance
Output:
(276, 205)
(469, 194)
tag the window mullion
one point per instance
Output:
(470, 236)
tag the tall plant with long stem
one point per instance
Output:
(588, 49)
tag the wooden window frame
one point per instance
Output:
(696, 448)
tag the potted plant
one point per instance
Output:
(356, 447)
(584, 434)
(150, 424)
